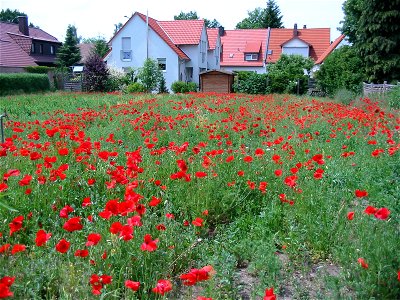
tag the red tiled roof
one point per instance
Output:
(15, 47)
(295, 38)
(183, 32)
(159, 30)
(330, 49)
(317, 38)
(212, 34)
(234, 44)
(252, 47)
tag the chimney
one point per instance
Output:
(295, 32)
(304, 26)
(221, 31)
(23, 25)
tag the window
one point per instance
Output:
(33, 48)
(162, 63)
(51, 49)
(251, 56)
(41, 48)
(126, 52)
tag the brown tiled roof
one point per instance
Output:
(330, 49)
(15, 47)
(85, 50)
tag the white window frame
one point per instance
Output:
(126, 51)
(162, 61)
(251, 56)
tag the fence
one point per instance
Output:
(72, 82)
(369, 88)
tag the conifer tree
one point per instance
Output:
(68, 54)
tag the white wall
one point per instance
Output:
(214, 56)
(157, 48)
(296, 46)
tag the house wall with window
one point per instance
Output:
(131, 45)
(296, 46)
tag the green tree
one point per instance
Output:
(68, 54)
(341, 70)
(100, 45)
(150, 75)
(374, 29)
(284, 74)
(11, 16)
(263, 18)
(117, 27)
(212, 24)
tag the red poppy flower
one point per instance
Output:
(370, 210)
(161, 227)
(200, 174)
(149, 244)
(91, 181)
(163, 286)
(361, 193)
(350, 215)
(16, 224)
(154, 201)
(240, 173)
(93, 239)
(362, 262)
(18, 248)
(259, 152)
(133, 285)
(26, 180)
(63, 151)
(135, 221)
(382, 213)
(126, 232)
(278, 172)
(198, 222)
(269, 294)
(229, 158)
(4, 248)
(3, 187)
(73, 224)
(63, 246)
(81, 253)
(64, 212)
(248, 159)
(196, 275)
(42, 237)
(5, 284)
(86, 202)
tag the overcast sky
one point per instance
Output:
(97, 18)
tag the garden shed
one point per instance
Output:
(218, 81)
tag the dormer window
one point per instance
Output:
(251, 56)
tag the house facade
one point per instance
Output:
(180, 47)
(22, 46)
(254, 49)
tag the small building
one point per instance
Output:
(218, 81)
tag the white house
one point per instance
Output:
(181, 47)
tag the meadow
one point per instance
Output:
(198, 196)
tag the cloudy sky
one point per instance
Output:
(98, 18)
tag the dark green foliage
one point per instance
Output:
(162, 87)
(117, 27)
(183, 87)
(39, 69)
(11, 16)
(23, 82)
(251, 83)
(263, 17)
(393, 98)
(100, 45)
(374, 29)
(341, 70)
(284, 74)
(150, 74)
(136, 87)
(96, 74)
(69, 54)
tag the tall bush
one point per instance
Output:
(96, 74)
(343, 69)
(251, 83)
(150, 75)
(284, 74)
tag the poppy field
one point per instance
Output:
(198, 196)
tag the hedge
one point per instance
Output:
(14, 83)
(39, 69)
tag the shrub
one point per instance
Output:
(118, 79)
(284, 74)
(150, 74)
(96, 74)
(136, 87)
(341, 70)
(251, 83)
(23, 82)
(162, 87)
(393, 98)
(345, 96)
(183, 87)
(39, 69)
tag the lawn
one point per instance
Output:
(198, 196)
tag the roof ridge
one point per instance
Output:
(166, 33)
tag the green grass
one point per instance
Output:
(253, 236)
